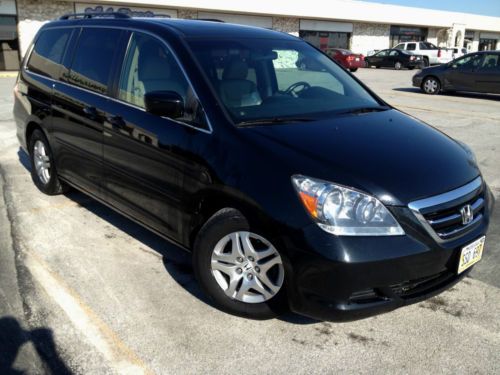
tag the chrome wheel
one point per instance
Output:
(431, 86)
(41, 161)
(247, 267)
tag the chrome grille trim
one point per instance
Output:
(449, 200)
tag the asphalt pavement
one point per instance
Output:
(84, 290)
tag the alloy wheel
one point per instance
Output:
(247, 267)
(398, 65)
(42, 162)
(431, 86)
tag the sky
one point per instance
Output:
(484, 7)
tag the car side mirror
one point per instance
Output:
(164, 104)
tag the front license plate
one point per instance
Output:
(471, 254)
(357, 58)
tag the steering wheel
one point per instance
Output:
(292, 90)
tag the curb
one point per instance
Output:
(8, 74)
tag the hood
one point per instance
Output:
(388, 154)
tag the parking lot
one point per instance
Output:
(84, 290)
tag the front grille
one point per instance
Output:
(448, 223)
(442, 215)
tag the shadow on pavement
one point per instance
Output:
(471, 95)
(176, 261)
(13, 336)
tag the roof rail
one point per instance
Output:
(94, 15)
(208, 19)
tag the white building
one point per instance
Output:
(356, 25)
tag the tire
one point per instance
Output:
(377, 66)
(43, 171)
(411, 67)
(431, 86)
(398, 65)
(353, 69)
(426, 62)
(213, 253)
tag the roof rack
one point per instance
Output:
(94, 15)
(208, 19)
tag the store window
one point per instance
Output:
(327, 39)
(487, 44)
(401, 34)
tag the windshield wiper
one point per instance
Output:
(275, 120)
(357, 111)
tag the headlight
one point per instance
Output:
(343, 211)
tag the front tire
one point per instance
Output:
(353, 70)
(431, 86)
(239, 269)
(43, 170)
(398, 65)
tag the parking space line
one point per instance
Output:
(106, 341)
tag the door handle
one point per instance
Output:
(90, 112)
(117, 122)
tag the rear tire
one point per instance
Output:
(353, 70)
(43, 170)
(426, 62)
(431, 86)
(377, 66)
(411, 67)
(218, 265)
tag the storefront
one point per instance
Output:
(402, 34)
(9, 43)
(488, 41)
(325, 34)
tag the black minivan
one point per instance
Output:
(293, 188)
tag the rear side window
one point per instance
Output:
(411, 46)
(48, 52)
(93, 59)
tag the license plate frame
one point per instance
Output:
(470, 254)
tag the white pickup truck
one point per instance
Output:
(432, 55)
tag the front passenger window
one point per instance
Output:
(149, 67)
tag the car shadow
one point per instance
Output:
(461, 94)
(13, 337)
(177, 261)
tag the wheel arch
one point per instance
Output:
(30, 128)
(207, 203)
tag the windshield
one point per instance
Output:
(259, 79)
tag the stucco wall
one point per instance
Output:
(188, 14)
(33, 14)
(287, 24)
(369, 36)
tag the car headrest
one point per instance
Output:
(236, 69)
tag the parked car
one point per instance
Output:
(432, 55)
(476, 72)
(292, 188)
(394, 58)
(346, 58)
(458, 52)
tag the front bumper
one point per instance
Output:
(347, 278)
(417, 81)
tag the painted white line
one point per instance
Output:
(120, 358)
